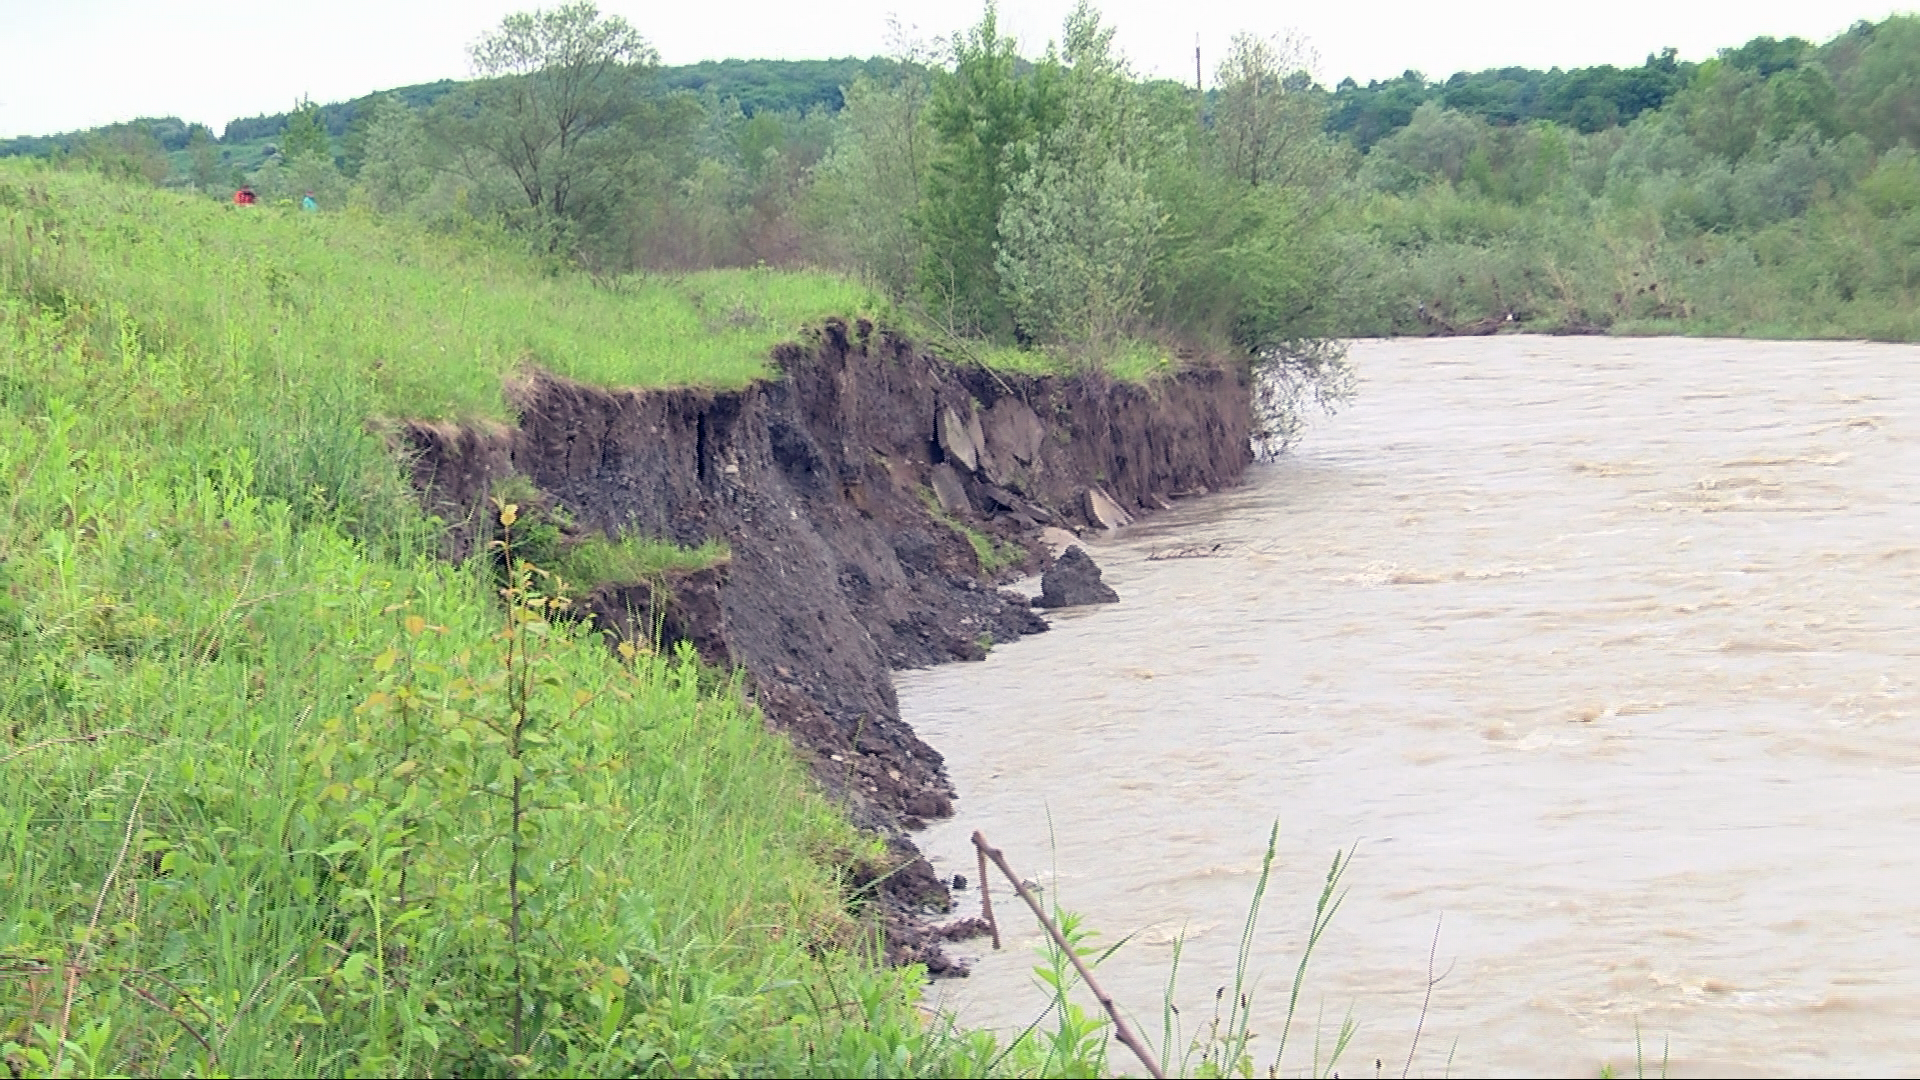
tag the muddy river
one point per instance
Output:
(1600, 651)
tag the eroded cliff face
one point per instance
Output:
(820, 481)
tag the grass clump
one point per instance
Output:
(546, 536)
(630, 558)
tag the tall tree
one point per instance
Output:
(1881, 84)
(981, 112)
(1267, 114)
(555, 90)
(392, 169)
(870, 183)
(1078, 230)
(203, 155)
(305, 134)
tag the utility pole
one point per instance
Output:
(1199, 91)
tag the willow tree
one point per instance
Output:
(550, 112)
(868, 187)
(1078, 232)
(982, 112)
(1268, 118)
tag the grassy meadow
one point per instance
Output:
(429, 325)
(273, 322)
(281, 794)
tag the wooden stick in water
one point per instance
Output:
(1120, 1028)
(986, 898)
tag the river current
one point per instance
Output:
(1599, 651)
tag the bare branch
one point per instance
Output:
(1120, 1027)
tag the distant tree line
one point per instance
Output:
(1063, 201)
(338, 116)
(164, 133)
(1586, 99)
(756, 85)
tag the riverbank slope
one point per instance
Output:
(871, 496)
(364, 809)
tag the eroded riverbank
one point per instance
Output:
(1601, 649)
(870, 494)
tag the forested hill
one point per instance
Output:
(1585, 99)
(779, 86)
(338, 116)
(756, 85)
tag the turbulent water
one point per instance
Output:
(1599, 651)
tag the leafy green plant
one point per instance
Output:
(541, 530)
(473, 789)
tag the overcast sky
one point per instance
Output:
(69, 64)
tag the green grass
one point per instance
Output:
(422, 325)
(631, 558)
(257, 743)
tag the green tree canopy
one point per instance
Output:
(1078, 231)
(305, 136)
(557, 87)
(1263, 118)
(980, 111)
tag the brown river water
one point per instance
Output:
(1598, 649)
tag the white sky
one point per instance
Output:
(69, 64)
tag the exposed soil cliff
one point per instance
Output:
(823, 482)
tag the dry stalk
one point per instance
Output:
(1120, 1028)
(44, 743)
(258, 989)
(148, 997)
(1428, 1000)
(77, 966)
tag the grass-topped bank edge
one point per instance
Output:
(430, 324)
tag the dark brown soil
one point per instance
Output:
(840, 573)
